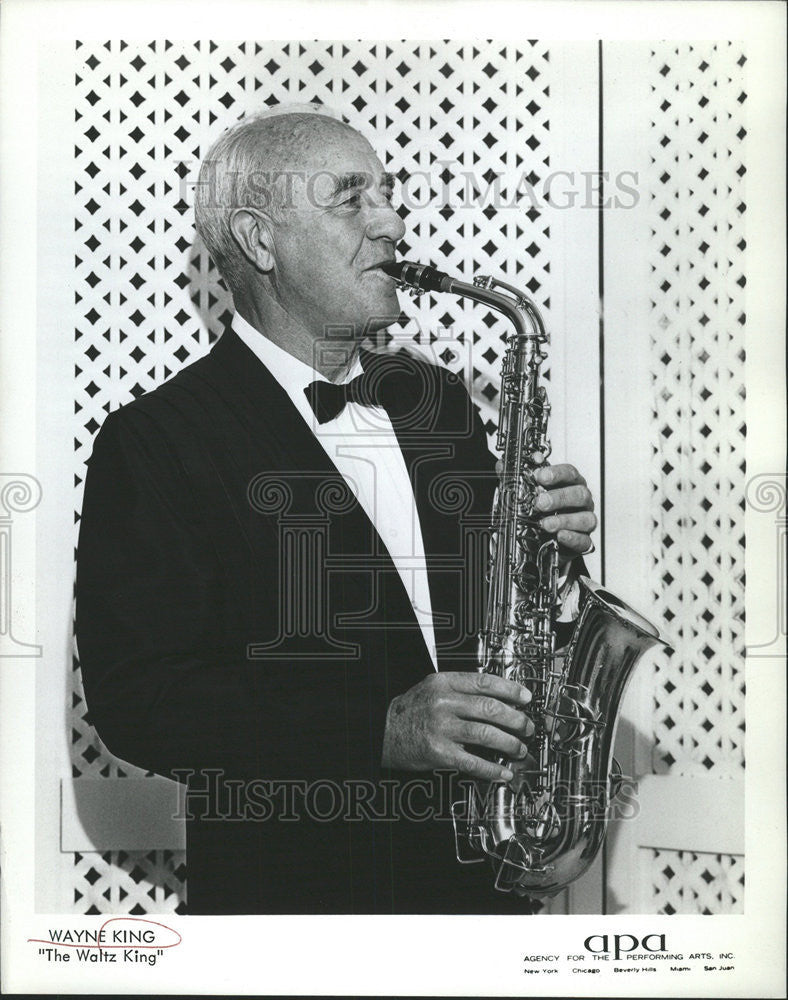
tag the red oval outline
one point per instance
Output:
(108, 947)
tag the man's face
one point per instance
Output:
(338, 226)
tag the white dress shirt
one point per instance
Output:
(363, 447)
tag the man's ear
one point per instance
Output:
(252, 231)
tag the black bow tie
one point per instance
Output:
(328, 400)
(386, 382)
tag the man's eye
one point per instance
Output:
(354, 201)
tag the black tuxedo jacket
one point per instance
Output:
(241, 626)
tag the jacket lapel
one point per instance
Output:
(452, 475)
(276, 440)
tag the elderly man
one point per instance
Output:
(271, 593)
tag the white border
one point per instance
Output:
(451, 956)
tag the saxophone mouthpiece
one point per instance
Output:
(420, 277)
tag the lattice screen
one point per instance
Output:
(132, 882)
(685, 882)
(149, 301)
(698, 470)
(697, 259)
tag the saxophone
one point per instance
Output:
(543, 828)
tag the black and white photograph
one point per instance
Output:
(393, 498)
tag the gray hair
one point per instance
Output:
(243, 168)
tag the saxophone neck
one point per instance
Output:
(512, 302)
(496, 294)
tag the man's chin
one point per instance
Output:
(377, 315)
(386, 314)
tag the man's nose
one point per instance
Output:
(384, 222)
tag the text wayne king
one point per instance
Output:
(119, 935)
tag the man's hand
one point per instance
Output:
(567, 508)
(430, 725)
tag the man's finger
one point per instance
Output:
(565, 498)
(476, 767)
(558, 475)
(583, 521)
(479, 734)
(493, 711)
(576, 541)
(467, 682)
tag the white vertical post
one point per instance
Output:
(55, 568)
(575, 306)
(628, 426)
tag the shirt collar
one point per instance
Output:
(291, 374)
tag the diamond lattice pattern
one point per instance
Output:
(698, 201)
(686, 882)
(461, 124)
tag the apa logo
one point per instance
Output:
(623, 943)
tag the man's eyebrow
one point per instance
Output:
(347, 182)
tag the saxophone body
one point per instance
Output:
(541, 830)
